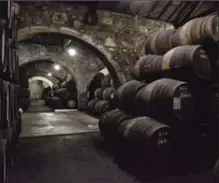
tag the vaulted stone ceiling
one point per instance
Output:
(44, 66)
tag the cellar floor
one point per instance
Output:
(57, 123)
(61, 150)
(38, 106)
(82, 158)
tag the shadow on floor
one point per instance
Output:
(174, 171)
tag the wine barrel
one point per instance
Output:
(109, 122)
(102, 106)
(106, 81)
(198, 30)
(125, 95)
(98, 94)
(147, 66)
(147, 135)
(160, 42)
(107, 93)
(191, 60)
(71, 104)
(98, 77)
(45, 92)
(91, 105)
(165, 100)
(56, 103)
(63, 93)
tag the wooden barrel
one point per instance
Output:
(110, 121)
(45, 92)
(71, 104)
(197, 30)
(94, 84)
(107, 93)
(125, 95)
(148, 66)
(147, 135)
(56, 103)
(189, 59)
(91, 105)
(98, 77)
(165, 100)
(98, 94)
(63, 93)
(102, 106)
(106, 81)
(160, 42)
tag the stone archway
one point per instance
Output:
(99, 50)
(82, 71)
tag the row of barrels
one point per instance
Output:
(63, 95)
(195, 31)
(102, 102)
(167, 100)
(57, 103)
(151, 140)
(140, 134)
(10, 122)
(188, 63)
(60, 98)
(99, 81)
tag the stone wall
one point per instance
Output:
(83, 66)
(117, 40)
(120, 37)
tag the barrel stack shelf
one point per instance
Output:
(100, 94)
(10, 121)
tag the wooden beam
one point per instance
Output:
(175, 10)
(164, 9)
(184, 18)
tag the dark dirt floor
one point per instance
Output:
(82, 158)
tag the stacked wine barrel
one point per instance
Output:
(145, 136)
(10, 125)
(63, 96)
(172, 85)
(102, 98)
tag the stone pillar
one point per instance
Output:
(82, 101)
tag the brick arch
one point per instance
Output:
(99, 50)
